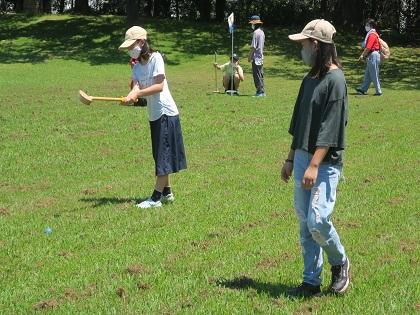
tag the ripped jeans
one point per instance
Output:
(314, 209)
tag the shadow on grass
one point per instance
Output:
(228, 95)
(246, 283)
(104, 201)
(96, 39)
(275, 291)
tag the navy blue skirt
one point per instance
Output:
(167, 145)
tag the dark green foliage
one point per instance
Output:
(395, 15)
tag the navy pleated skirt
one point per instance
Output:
(167, 145)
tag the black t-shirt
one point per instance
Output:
(320, 115)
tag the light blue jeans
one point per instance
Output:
(314, 209)
(372, 73)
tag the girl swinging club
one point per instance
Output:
(149, 82)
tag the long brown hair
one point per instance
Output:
(146, 50)
(325, 57)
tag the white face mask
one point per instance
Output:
(367, 28)
(253, 26)
(308, 56)
(135, 52)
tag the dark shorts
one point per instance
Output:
(231, 87)
(167, 145)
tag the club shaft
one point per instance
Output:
(100, 98)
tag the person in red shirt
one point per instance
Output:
(373, 59)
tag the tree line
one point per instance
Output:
(397, 15)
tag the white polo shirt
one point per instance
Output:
(160, 103)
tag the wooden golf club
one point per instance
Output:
(86, 99)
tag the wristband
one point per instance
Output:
(289, 160)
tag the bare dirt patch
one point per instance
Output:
(64, 254)
(4, 212)
(47, 304)
(89, 191)
(143, 286)
(250, 225)
(395, 201)
(122, 293)
(408, 246)
(136, 269)
(71, 294)
(306, 309)
(46, 202)
(204, 244)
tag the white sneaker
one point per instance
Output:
(168, 198)
(149, 203)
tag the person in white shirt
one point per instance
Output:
(149, 82)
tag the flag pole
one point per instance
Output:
(231, 20)
(233, 73)
(216, 90)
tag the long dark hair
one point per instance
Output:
(325, 57)
(146, 50)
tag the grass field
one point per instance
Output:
(229, 243)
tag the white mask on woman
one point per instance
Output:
(135, 52)
(367, 28)
(308, 56)
(253, 26)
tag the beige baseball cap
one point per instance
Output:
(319, 29)
(133, 33)
(255, 19)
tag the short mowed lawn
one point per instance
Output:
(229, 243)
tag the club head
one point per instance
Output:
(84, 98)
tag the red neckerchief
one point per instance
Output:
(133, 61)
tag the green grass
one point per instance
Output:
(229, 244)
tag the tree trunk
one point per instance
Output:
(177, 9)
(349, 13)
(149, 7)
(156, 8)
(132, 10)
(220, 9)
(373, 10)
(31, 7)
(61, 6)
(204, 7)
(324, 12)
(81, 6)
(18, 6)
(46, 6)
(162, 8)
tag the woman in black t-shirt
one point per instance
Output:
(318, 131)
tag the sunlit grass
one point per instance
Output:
(229, 243)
